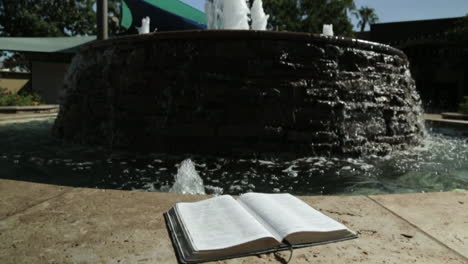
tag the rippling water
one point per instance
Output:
(29, 152)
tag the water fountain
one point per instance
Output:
(241, 91)
(322, 98)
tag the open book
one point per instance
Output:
(255, 223)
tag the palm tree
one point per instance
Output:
(366, 16)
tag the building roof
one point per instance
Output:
(165, 15)
(44, 45)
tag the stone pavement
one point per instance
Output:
(53, 224)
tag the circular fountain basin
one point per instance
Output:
(237, 92)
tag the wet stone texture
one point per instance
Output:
(238, 92)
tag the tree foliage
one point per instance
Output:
(310, 15)
(53, 18)
(460, 31)
(366, 16)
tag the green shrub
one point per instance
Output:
(9, 99)
(463, 108)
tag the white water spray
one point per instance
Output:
(145, 26)
(187, 180)
(214, 13)
(259, 18)
(328, 30)
(234, 14)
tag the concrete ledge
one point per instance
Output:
(32, 108)
(456, 116)
(51, 224)
(438, 118)
(245, 35)
(17, 196)
(459, 127)
(22, 118)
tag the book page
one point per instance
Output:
(219, 222)
(287, 214)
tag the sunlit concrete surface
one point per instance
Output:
(54, 224)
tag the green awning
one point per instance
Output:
(47, 45)
(174, 7)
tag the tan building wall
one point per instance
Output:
(47, 80)
(14, 81)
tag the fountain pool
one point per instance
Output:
(29, 152)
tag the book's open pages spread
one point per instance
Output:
(290, 216)
(221, 227)
(219, 223)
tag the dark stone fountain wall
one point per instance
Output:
(241, 92)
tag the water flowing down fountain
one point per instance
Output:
(330, 103)
(240, 92)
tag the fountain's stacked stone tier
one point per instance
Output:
(241, 92)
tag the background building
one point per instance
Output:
(15, 82)
(439, 59)
(49, 57)
(48, 60)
